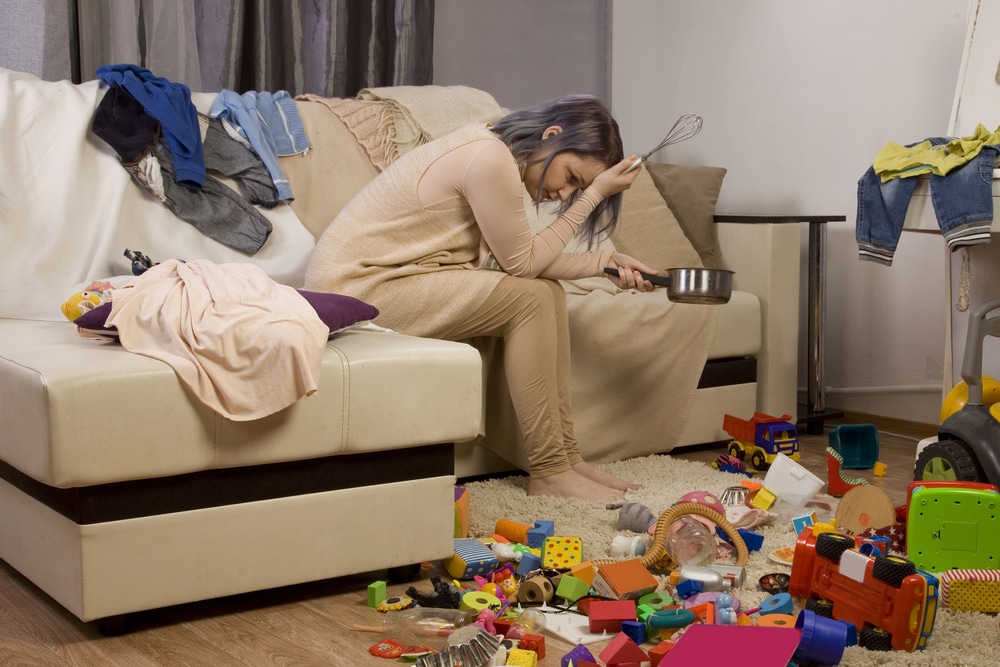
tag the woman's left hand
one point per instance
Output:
(629, 273)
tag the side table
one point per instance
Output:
(814, 412)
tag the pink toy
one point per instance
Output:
(707, 499)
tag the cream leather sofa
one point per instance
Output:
(120, 492)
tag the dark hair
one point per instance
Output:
(588, 128)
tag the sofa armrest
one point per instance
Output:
(765, 257)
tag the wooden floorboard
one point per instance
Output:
(308, 624)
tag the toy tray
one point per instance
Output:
(857, 444)
(951, 527)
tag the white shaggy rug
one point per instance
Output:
(958, 638)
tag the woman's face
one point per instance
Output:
(568, 172)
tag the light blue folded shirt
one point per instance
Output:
(270, 123)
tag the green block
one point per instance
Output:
(572, 589)
(376, 593)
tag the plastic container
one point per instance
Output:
(689, 542)
(823, 639)
(425, 625)
(791, 482)
(857, 444)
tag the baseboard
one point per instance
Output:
(901, 427)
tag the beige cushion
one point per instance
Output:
(334, 169)
(691, 192)
(80, 412)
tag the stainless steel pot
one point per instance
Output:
(703, 286)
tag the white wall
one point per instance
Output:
(798, 96)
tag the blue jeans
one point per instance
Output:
(962, 200)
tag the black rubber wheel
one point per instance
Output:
(403, 574)
(736, 450)
(820, 607)
(875, 639)
(831, 545)
(758, 461)
(948, 460)
(892, 570)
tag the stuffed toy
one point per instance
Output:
(85, 301)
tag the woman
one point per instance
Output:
(418, 243)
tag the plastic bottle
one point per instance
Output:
(528, 622)
(689, 542)
(425, 625)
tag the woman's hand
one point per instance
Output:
(629, 273)
(613, 180)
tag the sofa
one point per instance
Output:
(120, 491)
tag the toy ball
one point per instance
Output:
(959, 396)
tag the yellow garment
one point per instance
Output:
(896, 161)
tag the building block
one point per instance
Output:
(562, 553)
(512, 531)
(627, 579)
(622, 650)
(657, 653)
(582, 663)
(688, 588)
(579, 655)
(471, 558)
(522, 658)
(461, 512)
(585, 571)
(800, 521)
(376, 593)
(636, 630)
(608, 615)
(879, 469)
(541, 530)
(528, 564)
(763, 499)
(534, 643)
(572, 589)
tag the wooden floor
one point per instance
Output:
(298, 625)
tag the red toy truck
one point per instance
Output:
(890, 602)
(762, 437)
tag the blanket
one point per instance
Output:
(244, 345)
(68, 209)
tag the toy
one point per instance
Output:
(85, 301)
(967, 447)
(562, 553)
(971, 590)
(445, 596)
(864, 507)
(889, 602)
(857, 444)
(953, 527)
(762, 437)
(839, 484)
(471, 557)
(627, 579)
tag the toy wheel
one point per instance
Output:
(736, 450)
(831, 545)
(758, 461)
(875, 639)
(820, 607)
(892, 570)
(947, 460)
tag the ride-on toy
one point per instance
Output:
(967, 447)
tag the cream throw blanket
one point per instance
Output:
(243, 344)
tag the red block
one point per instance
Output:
(534, 643)
(622, 651)
(607, 615)
(657, 653)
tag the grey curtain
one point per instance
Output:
(332, 48)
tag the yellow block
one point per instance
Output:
(763, 499)
(522, 658)
(879, 469)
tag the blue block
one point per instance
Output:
(753, 539)
(688, 587)
(529, 563)
(537, 535)
(635, 630)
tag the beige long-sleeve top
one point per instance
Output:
(433, 218)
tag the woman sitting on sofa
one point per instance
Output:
(439, 242)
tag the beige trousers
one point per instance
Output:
(530, 315)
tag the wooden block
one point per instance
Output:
(864, 507)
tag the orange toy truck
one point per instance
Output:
(762, 437)
(890, 602)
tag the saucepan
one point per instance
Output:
(703, 286)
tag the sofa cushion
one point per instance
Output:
(80, 412)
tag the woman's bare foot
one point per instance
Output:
(571, 484)
(604, 478)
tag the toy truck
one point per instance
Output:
(891, 603)
(762, 437)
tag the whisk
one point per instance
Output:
(686, 127)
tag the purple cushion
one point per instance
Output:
(337, 311)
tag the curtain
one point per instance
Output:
(332, 48)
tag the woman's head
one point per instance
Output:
(580, 135)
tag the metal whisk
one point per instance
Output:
(683, 129)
